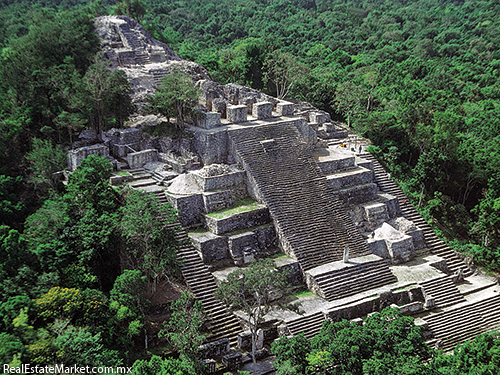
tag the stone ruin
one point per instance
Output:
(262, 177)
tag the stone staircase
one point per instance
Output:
(309, 325)
(134, 44)
(435, 245)
(349, 281)
(443, 290)
(490, 310)
(141, 178)
(200, 281)
(311, 223)
(458, 325)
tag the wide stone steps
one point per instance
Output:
(435, 245)
(490, 310)
(221, 323)
(297, 195)
(309, 325)
(443, 290)
(349, 281)
(455, 326)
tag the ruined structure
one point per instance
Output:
(260, 176)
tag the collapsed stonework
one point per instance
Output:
(262, 177)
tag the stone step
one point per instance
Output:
(310, 325)
(352, 177)
(443, 290)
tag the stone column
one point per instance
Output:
(346, 254)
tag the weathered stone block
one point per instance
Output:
(237, 113)
(219, 105)
(241, 245)
(319, 117)
(232, 361)
(126, 136)
(208, 120)
(217, 200)
(400, 250)
(138, 159)
(210, 144)
(223, 181)
(117, 180)
(262, 110)
(190, 207)
(211, 247)
(266, 236)
(392, 204)
(285, 108)
(375, 213)
(238, 221)
(353, 177)
(411, 308)
(214, 348)
(357, 194)
(333, 165)
(210, 365)
(245, 340)
(75, 157)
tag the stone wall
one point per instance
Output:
(214, 348)
(211, 248)
(210, 145)
(190, 207)
(138, 159)
(223, 181)
(218, 200)
(75, 157)
(378, 303)
(238, 221)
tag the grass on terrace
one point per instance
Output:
(243, 205)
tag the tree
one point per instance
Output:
(128, 301)
(45, 160)
(133, 8)
(147, 225)
(291, 355)
(110, 95)
(348, 100)
(176, 94)
(253, 289)
(285, 71)
(184, 330)
(11, 208)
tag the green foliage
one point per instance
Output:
(133, 8)
(77, 345)
(252, 290)
(110, 95)
(11, 208)
(159, 366)
(291, 354)
(176, 95)
(284, 71)
(183, 330)
(147, 226)
(45, 160)
(387, 343)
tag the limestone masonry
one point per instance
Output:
(261, 177)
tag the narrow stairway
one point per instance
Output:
(443, 290)
(200, 281)
(435, 245)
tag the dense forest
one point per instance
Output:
(418, 78)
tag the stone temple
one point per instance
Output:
(262, 177)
